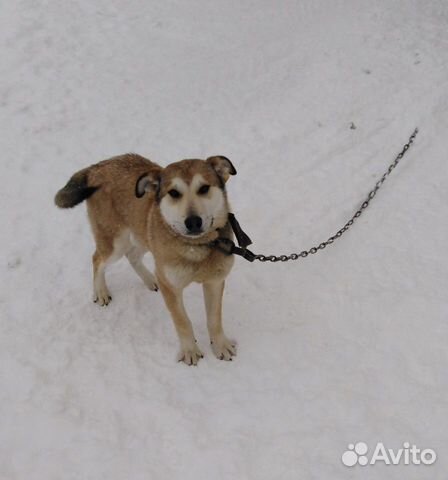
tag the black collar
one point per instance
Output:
(228, 247)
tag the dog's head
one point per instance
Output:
(190, 194)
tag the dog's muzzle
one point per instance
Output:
(193, 224)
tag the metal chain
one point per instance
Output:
(364, 205)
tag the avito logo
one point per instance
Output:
(357, 454)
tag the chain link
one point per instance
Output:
(364, 205)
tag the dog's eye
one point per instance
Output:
(174, 193)
(204, 189)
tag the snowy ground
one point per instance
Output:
(350, 345)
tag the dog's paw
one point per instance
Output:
(190, 355)
(102, 297)
(152, 285)
(150, 282)
(223, 348)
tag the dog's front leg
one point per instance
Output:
(189, 351)
(222, 347)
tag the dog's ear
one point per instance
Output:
(222, 166)
(148, 182)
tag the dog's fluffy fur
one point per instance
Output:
(135, 206)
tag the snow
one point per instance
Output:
(349, 345)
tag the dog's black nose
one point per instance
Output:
(193, 224)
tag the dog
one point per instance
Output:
(134, 206)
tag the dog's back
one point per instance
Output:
(108, 176)
(109, 188)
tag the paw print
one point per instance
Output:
(355, 454)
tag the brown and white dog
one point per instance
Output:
(135, 206)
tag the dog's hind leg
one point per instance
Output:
(101, 294)
(108, 250)
(135, 256)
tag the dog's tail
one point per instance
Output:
(76, 191)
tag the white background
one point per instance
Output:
(346, 346)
